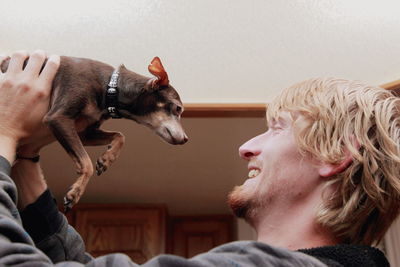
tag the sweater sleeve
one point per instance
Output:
(41, 219)
(16, 246)
(51, 232)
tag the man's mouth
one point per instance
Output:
(253, 173)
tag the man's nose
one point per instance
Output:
(249, 150)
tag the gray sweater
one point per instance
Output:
(49, 240)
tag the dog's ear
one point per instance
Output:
(156, 68)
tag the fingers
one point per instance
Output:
(38, 73)
(37, 70)
(35, 63)
(50, 70)
(17, 61)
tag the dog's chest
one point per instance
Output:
(89, 116)
(82, 123)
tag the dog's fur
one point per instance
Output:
(77, 109)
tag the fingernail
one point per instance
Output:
(54, 58)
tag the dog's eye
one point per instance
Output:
(176, 109)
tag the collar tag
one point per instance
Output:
(112, 96)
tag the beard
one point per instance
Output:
(243, 204)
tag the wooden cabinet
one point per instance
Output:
(192, 235)
(141, 231)
(138, 231)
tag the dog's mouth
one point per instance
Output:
(169, 129)
(173, 138)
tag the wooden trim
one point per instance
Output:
(243, 110)
(395, 85)
(223, 110)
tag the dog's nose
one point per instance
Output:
(185, 139)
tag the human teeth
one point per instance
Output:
(253, 173)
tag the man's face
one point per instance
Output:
(278, 174)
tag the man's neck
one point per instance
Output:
(293, 227)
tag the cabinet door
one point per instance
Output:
(138, 231)
(192, 235)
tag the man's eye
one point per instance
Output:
(276, 128)
(273, 130)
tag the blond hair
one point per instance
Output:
(364, 120)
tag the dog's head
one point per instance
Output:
(158, 106)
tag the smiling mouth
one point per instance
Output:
(253, 173)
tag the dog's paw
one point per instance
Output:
(71, 198)
(100, 166)
(67, 204)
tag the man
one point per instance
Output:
(327, 170)
(324, 173)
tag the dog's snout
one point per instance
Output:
(173, 133)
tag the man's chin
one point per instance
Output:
(240, 203)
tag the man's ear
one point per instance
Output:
(327, 169)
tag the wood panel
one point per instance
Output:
(138, 231)
(192, 235)
(237, 110)
(395, 85)
(245, 110)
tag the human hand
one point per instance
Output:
(24, 97)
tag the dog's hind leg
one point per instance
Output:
(98, 137)
(63, 129)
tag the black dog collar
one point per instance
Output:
(112, 96)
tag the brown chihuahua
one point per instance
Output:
(88, 92)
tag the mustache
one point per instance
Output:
(255, 162)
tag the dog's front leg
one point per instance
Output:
(63, 129)
(98, 137)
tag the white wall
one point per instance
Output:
(217, 51)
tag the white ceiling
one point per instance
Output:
(218, 51)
